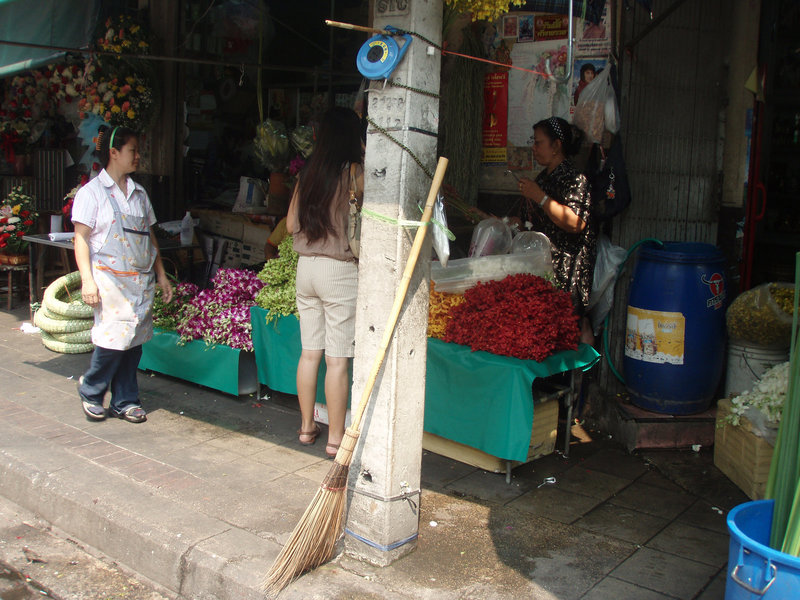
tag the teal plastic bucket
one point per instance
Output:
(756, 571)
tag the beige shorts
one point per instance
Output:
(326, 302)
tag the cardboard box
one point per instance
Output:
(740, 454)
(543, 442)
(221, 223)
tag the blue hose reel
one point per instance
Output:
(380, 54)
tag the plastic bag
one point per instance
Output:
(490, 236)
(597, 108)
(537, 246)
(763, 315)
(440, 242)
(606, 268)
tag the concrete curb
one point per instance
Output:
(187, 552)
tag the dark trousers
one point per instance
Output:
(114, 370)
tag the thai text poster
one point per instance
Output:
(495, 117)
(594, 39)
(550, 27)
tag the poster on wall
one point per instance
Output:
(534, 96)
(594, 39)
(525, 29)
(547, 28)
(510, 29)
(583, 71)
(495, 117)
(520, 158)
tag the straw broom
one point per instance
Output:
(314, 537)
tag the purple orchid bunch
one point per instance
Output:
(221, 313)
(296, 165)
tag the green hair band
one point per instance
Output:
(111, 141)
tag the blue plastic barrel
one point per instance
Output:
(675, 329)
(756, 571)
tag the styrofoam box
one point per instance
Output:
(461, 274)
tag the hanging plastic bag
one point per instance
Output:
(536, 246)
(597, 108)
(441, 243)
(490, 236)
(606, 267)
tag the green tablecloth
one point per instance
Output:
(484, 400)
(277, 349)
(219, 367)
(476, 398)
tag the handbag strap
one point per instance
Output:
(354, 188)
(353, 184)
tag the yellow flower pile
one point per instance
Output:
(483, 10)
(439, 311)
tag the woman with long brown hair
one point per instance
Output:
(327, 270)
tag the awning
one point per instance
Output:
(62, 23)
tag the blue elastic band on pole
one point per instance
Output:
(381, 547)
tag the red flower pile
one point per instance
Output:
(522, 315)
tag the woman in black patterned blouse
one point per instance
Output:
(558, 204)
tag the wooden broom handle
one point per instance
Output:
(400, 296)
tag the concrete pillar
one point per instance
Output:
(383, 492)
(743, 58)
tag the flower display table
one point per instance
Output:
(479, 407)
(218, 367)
(277, 350)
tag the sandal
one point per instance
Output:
(312, 434)
(335, 449)
(132, 414)
(93, 412)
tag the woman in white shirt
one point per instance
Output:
(118, 258)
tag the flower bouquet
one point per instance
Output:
(278, 294)
(763, 405)
(125, 101)
(121, 90)
(271, 145)
(69, 200)
(302, 138)
(14, 139)
(17, 218)
(221, 314)
(121, 34)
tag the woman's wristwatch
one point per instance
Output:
(544, 199)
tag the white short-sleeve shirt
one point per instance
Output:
(92, 207)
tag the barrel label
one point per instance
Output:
(655, 336)
(716, 285)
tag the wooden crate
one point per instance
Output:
(543, 442)
(742, 455)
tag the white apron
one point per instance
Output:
(123, 271)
